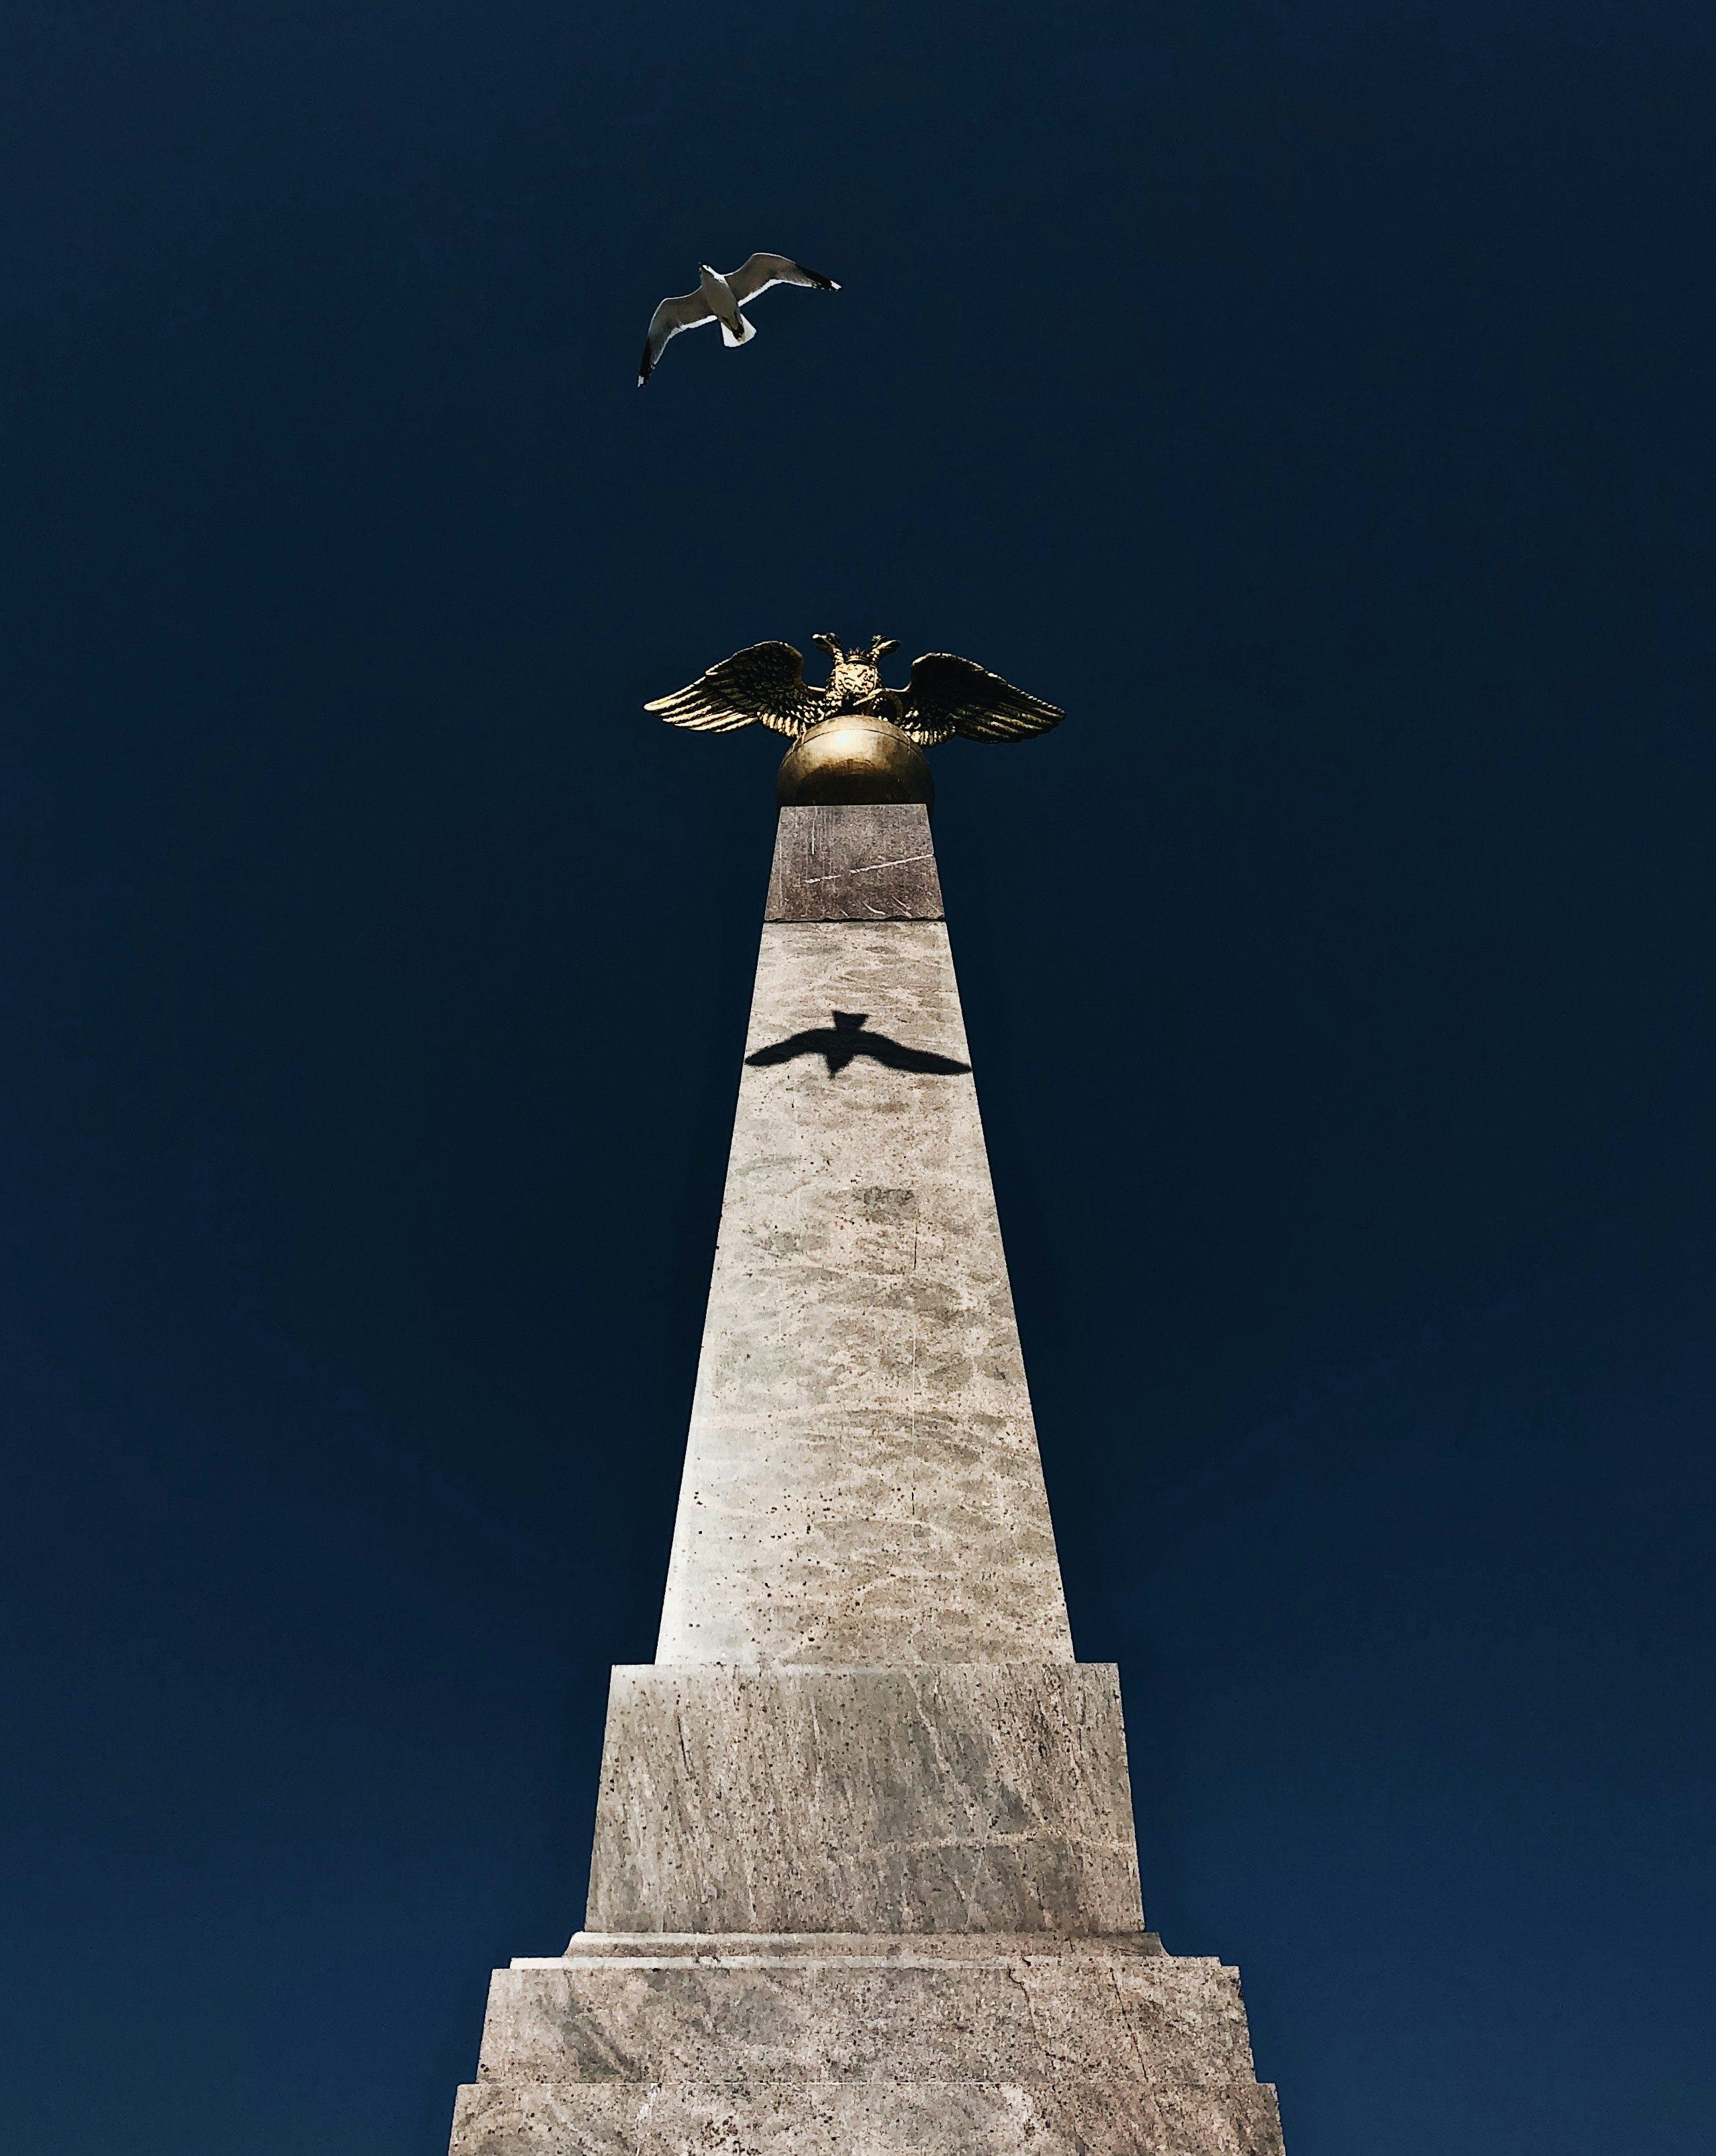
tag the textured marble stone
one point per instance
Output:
(1099, 2049)
(869, 863)
(956, 1799)
(862, 1484)
(1015, 2015)
(914, 1946)
(923, 2118)
(865, 1879)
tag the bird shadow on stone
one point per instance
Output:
(845, 1039)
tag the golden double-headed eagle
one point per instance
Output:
(945, 696)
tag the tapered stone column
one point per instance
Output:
(865, 1876)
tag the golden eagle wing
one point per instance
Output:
(948, 695)
(765, 681)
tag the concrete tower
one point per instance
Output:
(866, 1880)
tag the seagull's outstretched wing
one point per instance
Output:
(689, 312)
(763, 270)
(814, 1041)
(948, 695)
(765, 681)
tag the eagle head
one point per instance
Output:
(856, 683)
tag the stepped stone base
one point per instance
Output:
(849, 2046)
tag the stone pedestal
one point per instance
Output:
(864, 1877)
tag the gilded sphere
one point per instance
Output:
(854, 757)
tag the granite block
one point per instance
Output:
(870, 2119)
(858, 861)
(1019, 2015)
(955, 1797)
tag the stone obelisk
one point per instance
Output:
(865, 1879)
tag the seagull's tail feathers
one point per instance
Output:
(748, 329)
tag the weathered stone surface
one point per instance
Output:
(869, 863)
(865, 1879)
(1116, 2053)
(862, 1484)
(1017, 2015)
(952, 1798)
(725, 1949)
(957, 2118)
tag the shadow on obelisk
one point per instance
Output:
(840, 1043)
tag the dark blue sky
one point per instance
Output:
(1315, 400)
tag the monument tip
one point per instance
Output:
(856, 739)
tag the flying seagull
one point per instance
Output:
(718, 299)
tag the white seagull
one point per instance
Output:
(718, 299)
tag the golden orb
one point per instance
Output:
(854, 757)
